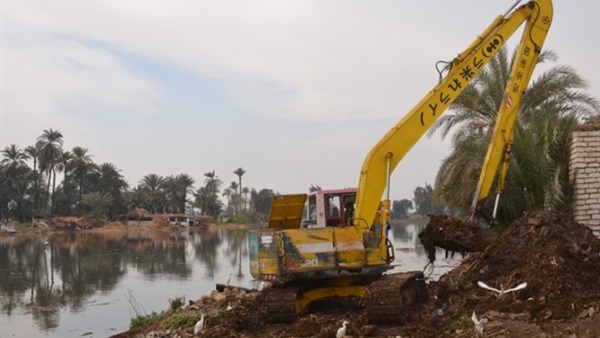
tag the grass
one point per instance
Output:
(180, 319)
(462, 323)
(142, 320)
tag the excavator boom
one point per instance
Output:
(389, 151)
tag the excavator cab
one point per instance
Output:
(331, 208)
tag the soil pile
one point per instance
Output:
(558, 258)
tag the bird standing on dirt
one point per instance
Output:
(228, 279)
(341, 332)
(501, 292)
(479, 324)
(199, 325)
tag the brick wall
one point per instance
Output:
(585, 168)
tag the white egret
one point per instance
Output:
(228, 279)
(341, 332)
(501, 292)
(479, 324)
(199, 325)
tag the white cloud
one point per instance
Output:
(337, 64)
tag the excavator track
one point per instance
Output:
(390, 298)
(280, 304)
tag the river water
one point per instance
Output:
(91, 285)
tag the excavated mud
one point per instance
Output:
(558, 258)
(454, 235)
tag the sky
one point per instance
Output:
(294, 92)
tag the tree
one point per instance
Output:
(99, 203)
(81, 165)
(240, 172)
(33, 154)
(185, 184)
(63, 166)
(235, 197)
(261, 200)
(538, 171)
(207, 197)
(14, 171)
(400, 209)
(245, 193)
(108, 180)
(49, 146)
(156, 198)
(137, 198)
(423, 200)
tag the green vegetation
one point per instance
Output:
(462, 323)
(142, 320)
(176, 303)
(30, 184)
(180, 319)
(537, 178)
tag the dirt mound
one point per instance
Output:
(558, 258)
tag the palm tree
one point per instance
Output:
(49, 146)
(185, 184)
(235, 197)
(14, 158)
(212, 182)
(538, 175)
(81, 164)
(14, 167)
(33, 154)
(136, 198)
(151, 182)
(207, 198)
(171, 189)
(108, 180)
(65, 159)
(240, 172)
(228, 192)
(99, 203)
(152, 185)
(245, 191)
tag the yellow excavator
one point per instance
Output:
(310, 253)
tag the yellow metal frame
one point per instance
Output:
(389, 151)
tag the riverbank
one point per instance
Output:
(81, 224)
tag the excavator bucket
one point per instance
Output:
(453, 234)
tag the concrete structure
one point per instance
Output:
(585, 168)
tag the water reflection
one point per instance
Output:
(44, 282)
(80, 282)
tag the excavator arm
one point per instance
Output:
(389, 151)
